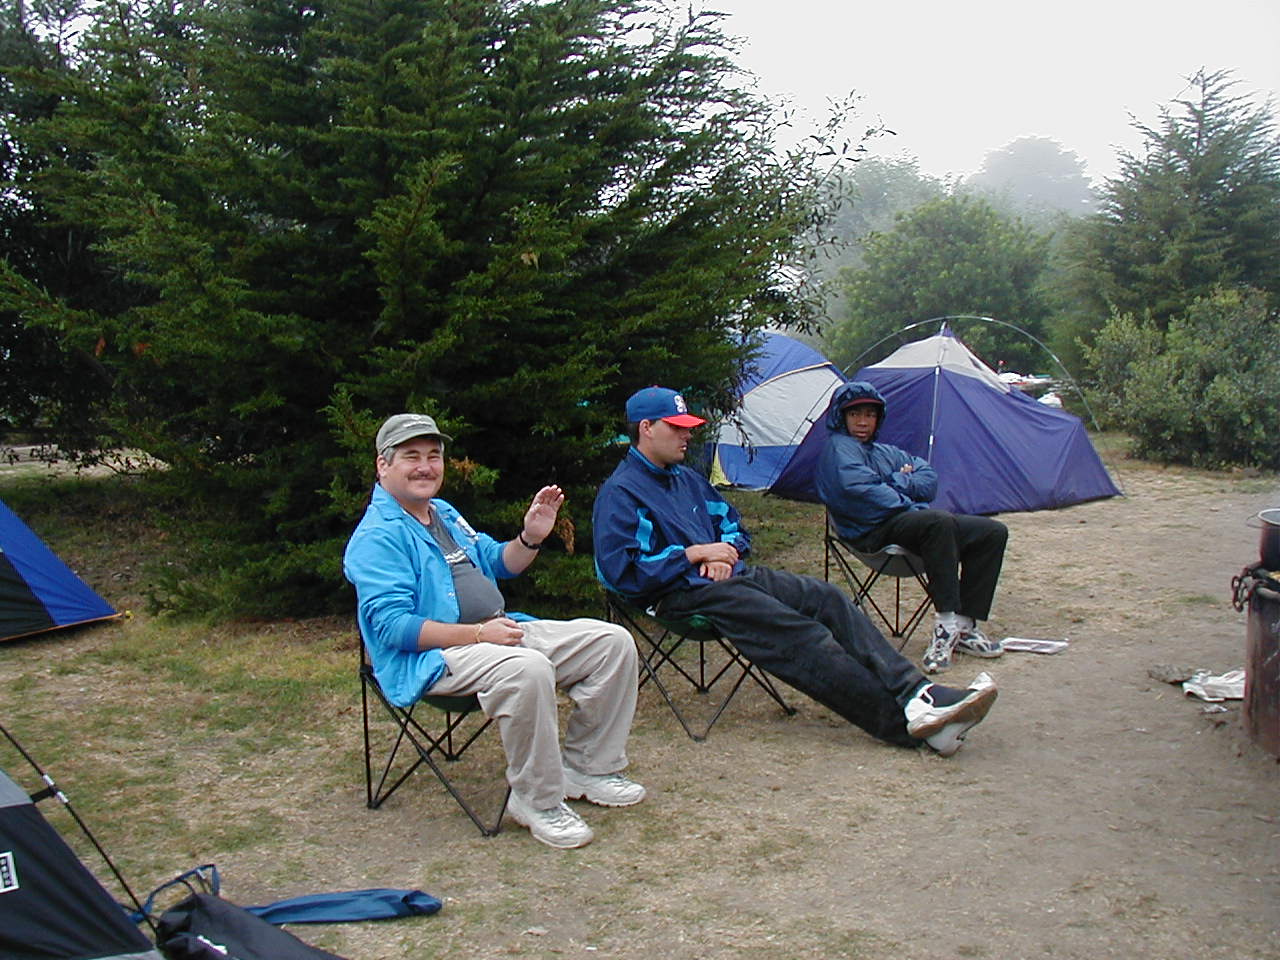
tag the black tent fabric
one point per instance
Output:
(51, 906)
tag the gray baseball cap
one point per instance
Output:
(405, 426)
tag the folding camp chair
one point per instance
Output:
(659, 638)
(890, 560)
(448, 742)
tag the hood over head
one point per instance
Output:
(851, 394)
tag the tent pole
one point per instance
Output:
(51, 790)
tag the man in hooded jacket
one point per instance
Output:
(878, 494)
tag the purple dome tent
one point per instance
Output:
(995, 448)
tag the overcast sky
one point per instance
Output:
(957, 80)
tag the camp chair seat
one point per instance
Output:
(891, 560)
(458, 723)
(659, 638)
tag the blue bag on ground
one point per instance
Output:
(375, 904)
(206, 927)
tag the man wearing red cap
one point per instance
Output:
(665, 539)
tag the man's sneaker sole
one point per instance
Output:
(948, 741)
(970, 710)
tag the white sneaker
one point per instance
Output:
(977, 644)
(948, 741)
(927, 718)
(608, 789)
(557, 826)
(937, 656)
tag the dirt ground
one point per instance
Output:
(1096, 813)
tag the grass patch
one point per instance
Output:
(180, 743)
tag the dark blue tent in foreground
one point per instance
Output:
(37, 590)
(995, 448)
(51, 906)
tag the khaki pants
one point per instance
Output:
(594, 662)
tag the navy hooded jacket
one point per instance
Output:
(863, 484)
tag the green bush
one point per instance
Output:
(1204, 392)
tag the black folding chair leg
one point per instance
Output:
(904, 630)
(661, 652)
(651, 674)
(760, 677)
(427, 746)
(903, 566)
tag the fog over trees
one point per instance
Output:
(1037, 179)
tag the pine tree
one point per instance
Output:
(1198, 208)
(47, 388)
(508, 214)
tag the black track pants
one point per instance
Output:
(807, 633)
(962, 555)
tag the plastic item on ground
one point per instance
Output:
(1225, 686)
(1035, 645)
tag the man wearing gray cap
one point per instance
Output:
(433, 620)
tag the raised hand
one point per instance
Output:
(542, 512)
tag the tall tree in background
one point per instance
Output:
(508, 214)
(1198, 208)
(1035, 178)
(876, 192)
(1038, 181)
(954, 255)
(46, 388)
(867, 200)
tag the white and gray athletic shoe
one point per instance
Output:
(977, 644)
(606, 789)
(558, 826)
(937, 656)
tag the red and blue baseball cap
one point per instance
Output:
(659, 403)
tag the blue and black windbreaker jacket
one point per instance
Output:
(644, 518)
